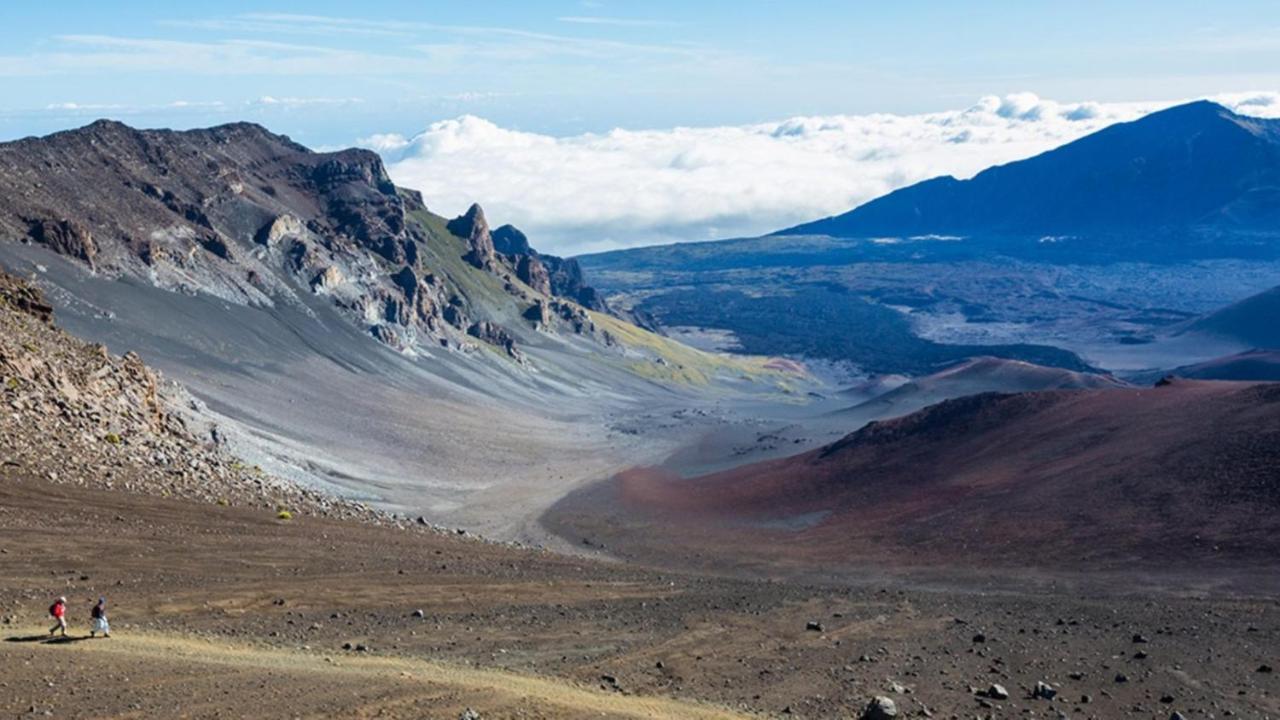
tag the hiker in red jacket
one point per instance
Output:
(59, 612)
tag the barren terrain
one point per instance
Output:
(1136, 481)
(229, 612)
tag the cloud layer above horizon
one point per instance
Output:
(628, 188)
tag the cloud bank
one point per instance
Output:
(627, 188)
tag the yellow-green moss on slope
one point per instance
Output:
(684, 364)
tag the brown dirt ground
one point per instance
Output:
(228, 612)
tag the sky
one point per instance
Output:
(596, 124)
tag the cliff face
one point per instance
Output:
(254, 218)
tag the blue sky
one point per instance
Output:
(596, 124)
(327, 72)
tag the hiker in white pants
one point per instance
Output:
(99, 622)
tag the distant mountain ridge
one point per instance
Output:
(1194, 168)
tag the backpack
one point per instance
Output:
(53, 610)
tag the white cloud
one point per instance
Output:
(82, 107)
(625, 188)
(196, 104)
(619, 22)
(272, 101)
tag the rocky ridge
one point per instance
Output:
(253, 218)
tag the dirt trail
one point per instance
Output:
(387, 686)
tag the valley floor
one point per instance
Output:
(229, 612)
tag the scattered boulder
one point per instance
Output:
(283, 226)
(496, 335)
(997, 692)
(1044, 691)
(327, 279)
(880, 708)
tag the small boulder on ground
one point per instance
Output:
(1044, 691)
(880, 708)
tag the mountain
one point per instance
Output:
(972, 377)
(338, 331)
(1254, 321)
(1196, 170)
(253, 217)
(1178, 475)
(1078, 252)
(1250, 366)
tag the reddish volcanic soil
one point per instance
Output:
(227, 612)
(1179, 478)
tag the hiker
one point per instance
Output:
(99, 622)
(59, 612)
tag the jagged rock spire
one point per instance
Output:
(473, 228)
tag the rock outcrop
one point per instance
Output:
(65, 237)
(509, 240)
(496, 335)
(548, 274)
(567, 281)
(532, 272)
(473, 228)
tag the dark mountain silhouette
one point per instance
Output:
(1197, 168)
(1253, 365)
(1254, 321)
